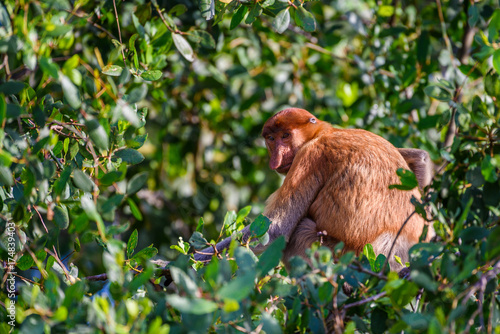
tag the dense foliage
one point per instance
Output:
(129, 126)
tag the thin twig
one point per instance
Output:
(365, 301)
(63, 267)
(119, 32)
(395, 240)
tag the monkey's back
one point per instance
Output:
(360, 208)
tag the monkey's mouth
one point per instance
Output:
(284, 169)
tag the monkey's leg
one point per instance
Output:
(304, 235)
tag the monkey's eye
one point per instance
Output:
(286, 135)
(271, 138)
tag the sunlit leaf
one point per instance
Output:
(151, 75)
(282, 21)
(183, 46)
(113, 70)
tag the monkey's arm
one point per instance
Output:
(289, 204)
(420, 164)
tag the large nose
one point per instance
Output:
(277, 156)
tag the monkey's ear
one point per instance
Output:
(420, 164)
(312, 120)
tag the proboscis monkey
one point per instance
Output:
(337, 181)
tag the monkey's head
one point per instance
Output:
(285, 133)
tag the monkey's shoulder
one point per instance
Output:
(355, 141)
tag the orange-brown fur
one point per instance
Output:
(338, 181)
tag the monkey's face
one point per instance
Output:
(285, 133)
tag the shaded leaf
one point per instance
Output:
(137, 182)
(61, 216)
(191, 305)
(98, 134)
(130, 156)
(132, 243)
(238, 17)
(260, 226)
(82, 181)
(305, 19)
(408, 180)
(71, 93)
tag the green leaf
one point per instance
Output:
(183, 46)
(207, 9)
(491, 85)
(3, 109)
(270, 324)
(112, 70)
(205, 39)
(145, 253)
(401, 292)
(438, 93)
(271, 256)
(140, 279)
(71, 93)
(473, 15)
(151, 75)
(386, 11)
(110, 178)
(129, 156)
(408, 180)
(199, 227)
(242, 215)
(60, 183)
(141, 114)
(131, 44)
(496, 60)
(12, 87)
(184, 282)
(378, 321)
(77, 245)
(177, 10)
(134, 209)
(305, 19)
(112, 203)
(238, 17)
(82, 181)
(71, 63)
(137, 182)
(191, 305)
(417, 321)
(61, 216)
(282, 21)
(79, 224)
(49, 68)
(25, 262)
(494, 26)
(238, 288)
(259, 226)
(229, 219)
(6, 178)
(459, 224)
(489, 170)
(198, 241)
(89, 207)
(132, 243)
(370, 254)
(254, 13)
(98, 134)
